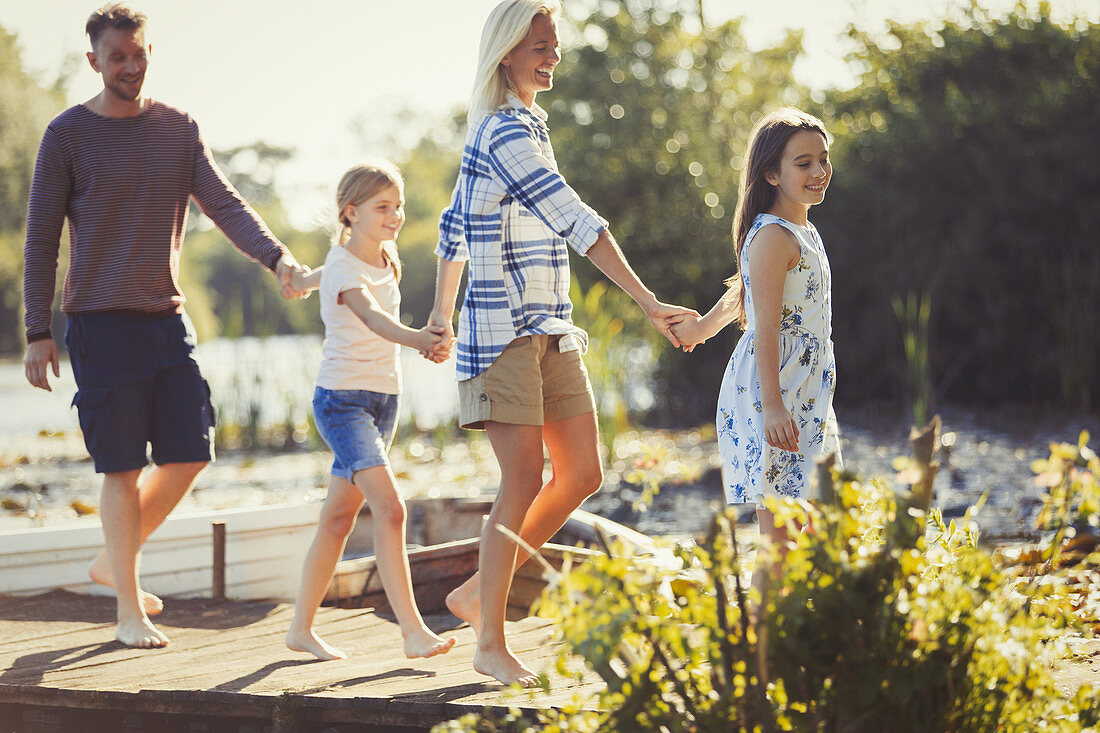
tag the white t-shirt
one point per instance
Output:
(353, 356)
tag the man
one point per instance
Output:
(122, 167)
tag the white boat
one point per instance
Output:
(264, 549)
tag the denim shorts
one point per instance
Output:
(138, 385)
(358, 426)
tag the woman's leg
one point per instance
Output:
(518, 450)
(387, 509)
(573, 444)
(337, 520)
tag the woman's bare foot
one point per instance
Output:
(423, 643)
(502, 665)
(100, 572)
(140, 633)
(465, 603)
(308, 641)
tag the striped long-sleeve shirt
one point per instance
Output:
(124, 184)
(513, 216)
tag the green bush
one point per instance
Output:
(883, 617)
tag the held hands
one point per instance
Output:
(664, 317)
(690, 331)
(779, 428)
(290, 274)
(442, 341)
(39, 355)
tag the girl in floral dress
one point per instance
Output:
(775, 407)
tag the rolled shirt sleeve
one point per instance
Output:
(452, 236)
(526, 174)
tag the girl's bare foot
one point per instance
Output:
(308, 641)
(100, 572)
(465, 603)
(423, 643)
(140, 633)
(502, 665)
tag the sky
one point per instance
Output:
(309, 75)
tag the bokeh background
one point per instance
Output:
(962, 223)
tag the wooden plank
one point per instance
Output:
(228, 660)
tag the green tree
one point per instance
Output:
(649, 119)
(966, 169)
(26, 107)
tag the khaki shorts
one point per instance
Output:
(530, 383)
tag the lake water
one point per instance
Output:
(274, 375)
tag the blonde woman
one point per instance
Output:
(521, 377)
(355, 403)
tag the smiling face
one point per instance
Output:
(379, 218)
(121, 56)
(804, 170)
(530, 65)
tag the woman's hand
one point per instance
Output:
(779, 428)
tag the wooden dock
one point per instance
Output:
(227, 669)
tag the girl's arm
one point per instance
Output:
(363, 304)
(773, 252)
(692, 332)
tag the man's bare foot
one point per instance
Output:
(140, 633)
(308, 641)
(423, 643)
(100, 572)
(502, 665)
(465, 603)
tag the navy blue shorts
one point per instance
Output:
(138, 385)
(358, 426)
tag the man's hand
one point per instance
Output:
(285, 269)
(39, 354)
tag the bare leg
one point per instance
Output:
(337, 520)
(388, 514)
(518, 450)
(121, 515)
(159, 493)
(577, 474)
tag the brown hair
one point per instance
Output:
(356, 186)
(767, 141)
(114, 15)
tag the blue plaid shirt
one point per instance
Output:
(512, 215)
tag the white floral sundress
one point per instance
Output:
(807, 380)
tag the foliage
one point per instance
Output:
(881, 619)
(619, 348)
(430, 170)
(1071, 516)
(914, 315)
(228, 294)
(649, 116)
(963, 170)
(25, 109)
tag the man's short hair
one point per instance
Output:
(113, 15)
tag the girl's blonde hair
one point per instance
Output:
(767, 141)
(506, 26)
(356, 186)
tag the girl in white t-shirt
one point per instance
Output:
(355, 403)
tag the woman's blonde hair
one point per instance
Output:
(507, 25)
(356, 186)
(767, 141)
